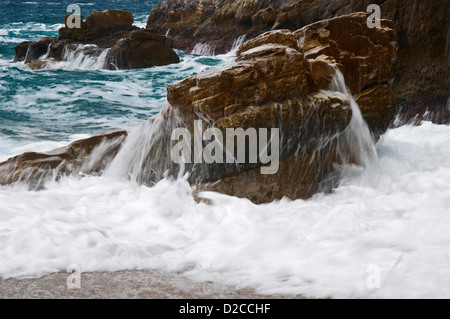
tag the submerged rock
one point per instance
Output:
(128, 47)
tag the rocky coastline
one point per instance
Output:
(422, 76)
(281, 78)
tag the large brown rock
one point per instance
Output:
(130, 47)
(280, 80)
(141, 49)
(87, 156)
(97, 25)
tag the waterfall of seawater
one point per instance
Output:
(79, 59)
(85, 57)
(145, 155)
(206, 49)
(355, 144)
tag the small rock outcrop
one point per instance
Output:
(128, 47)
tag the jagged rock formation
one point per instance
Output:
(128, 47)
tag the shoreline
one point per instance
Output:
(129, 284)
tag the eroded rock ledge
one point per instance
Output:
(129, 47)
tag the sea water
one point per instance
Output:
(396, 223)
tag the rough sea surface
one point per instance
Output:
(393, 221)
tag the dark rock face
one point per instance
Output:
(422, 78)
(87, 156)
(130, 47)
(219, 22)
(141, 49)
(422, 70)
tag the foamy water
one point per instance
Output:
(320, 247)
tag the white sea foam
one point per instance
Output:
(321, 247)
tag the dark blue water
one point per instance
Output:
(55, 104)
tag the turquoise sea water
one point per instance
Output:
(55, 104)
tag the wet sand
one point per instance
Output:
(123, 285)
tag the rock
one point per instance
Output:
(87, 156)
(97, 25)
(141, 49)
(181, 19)
(435, 109)
(282, 37)
(29, 51)
(422, 78)
(277, 82)
(378, 106)
(260, 188)
(219, 22)
(131, 47)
